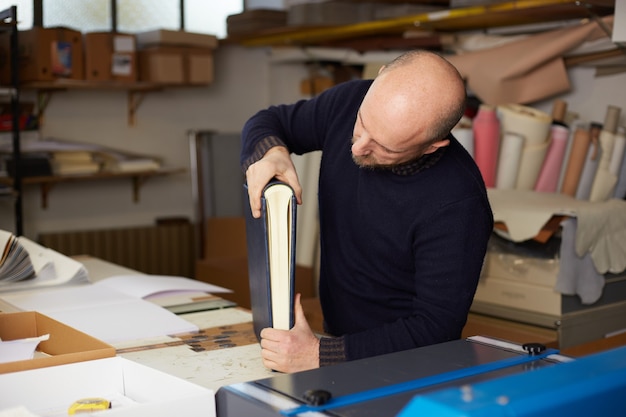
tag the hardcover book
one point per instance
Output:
(271, 243)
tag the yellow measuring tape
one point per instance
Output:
(89, 404)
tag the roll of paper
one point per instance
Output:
(551, 169)
(530, 165)
(509, 160)
(534, 125)
(580, 146)
(531, 123)
(604, 181)
(619, 147)
(486, 129)
(589, 171)
(620, 187)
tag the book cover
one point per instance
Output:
(271, 243)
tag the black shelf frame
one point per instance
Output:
(8, 19)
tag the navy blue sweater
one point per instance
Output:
(401, 253)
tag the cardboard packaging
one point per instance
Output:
(110, 56)
(45, 54)
(252, 21)
(66, 344)
(176, 65)
(134, 390)
(162, 37)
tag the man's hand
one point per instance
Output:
(275, 163)
(291, 350)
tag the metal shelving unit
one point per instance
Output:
(8, 23)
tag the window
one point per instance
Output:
(201, 16)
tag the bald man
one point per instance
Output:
(403, 211)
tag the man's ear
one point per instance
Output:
(436, 145)
(381, 69)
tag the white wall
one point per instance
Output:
(243, 84)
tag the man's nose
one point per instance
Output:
(360, 146)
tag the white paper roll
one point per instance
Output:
(509, 160)
(531, 123)
(530, 165)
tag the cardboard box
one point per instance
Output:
(162, 37)
(161, 65)
(176, 65)
(66, 344)
(133, 389)
(198, 66)
(110, 56)
(45, 54)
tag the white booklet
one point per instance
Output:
(51, 268)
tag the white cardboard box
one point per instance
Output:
(134, 390)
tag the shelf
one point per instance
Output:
(509, 13)
(135, 92)
(47, 182)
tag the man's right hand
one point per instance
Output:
(275, 163)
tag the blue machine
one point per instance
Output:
(475, 377)
(591, 386)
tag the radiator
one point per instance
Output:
(166, 249)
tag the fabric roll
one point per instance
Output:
(548, 179)
(530, 165)
(580, 146)
(509, 160)
(465, 137)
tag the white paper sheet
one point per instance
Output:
(144, 286)
(102, 312)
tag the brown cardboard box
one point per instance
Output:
(110, 56)
(66, 344)
(162, 37)
(198, 66)
(176, 65)
(163, 65)
(46, 54)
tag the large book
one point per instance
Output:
(271, 243)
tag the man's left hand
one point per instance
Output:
(291, 350)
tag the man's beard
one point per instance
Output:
(367, 162)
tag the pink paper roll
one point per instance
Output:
(551, 169)
(486, 128)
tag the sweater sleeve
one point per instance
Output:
(332, 351)
(260, 149)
